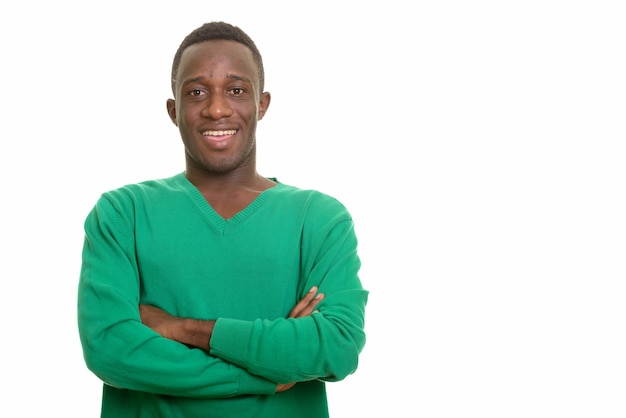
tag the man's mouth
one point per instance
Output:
(220, 133)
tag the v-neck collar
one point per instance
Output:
(220, 223)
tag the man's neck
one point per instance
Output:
(229, 193)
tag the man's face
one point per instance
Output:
(217, 105)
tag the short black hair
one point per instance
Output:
(218, 31)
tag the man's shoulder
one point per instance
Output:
(147, 189)
(313, 201)
(307, 195)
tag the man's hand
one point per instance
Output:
(303, 308)
(197, 333)
(307, 304)
(284, 387)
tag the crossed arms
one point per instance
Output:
(197, 333)
(130, 344)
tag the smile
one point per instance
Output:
(220, 133)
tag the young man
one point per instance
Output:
(218, 292)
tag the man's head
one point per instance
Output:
(218, 31)
(218, 100)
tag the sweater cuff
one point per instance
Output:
(230, 340)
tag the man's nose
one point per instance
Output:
(217, 107)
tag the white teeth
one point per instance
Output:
(219, 133)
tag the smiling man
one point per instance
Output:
(219, 292)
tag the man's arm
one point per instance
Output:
(117, 347)
(197, 333)
(323, 345)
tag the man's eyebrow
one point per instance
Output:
(193, 80)
(239, 78)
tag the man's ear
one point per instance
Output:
(264, 103)
(171, 110)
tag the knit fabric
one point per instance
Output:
(160, 243)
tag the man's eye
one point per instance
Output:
(196, 93)
(237, 91)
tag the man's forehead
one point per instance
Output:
(217, 52)
(215, 59)
(217, 46)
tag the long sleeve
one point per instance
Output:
(326, 345)
(117, 347)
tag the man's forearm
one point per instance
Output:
(189, 331)
(196, 333)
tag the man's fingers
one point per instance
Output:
(306, 305)
(303, 302)
(285, 386)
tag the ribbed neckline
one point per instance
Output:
(225, 225)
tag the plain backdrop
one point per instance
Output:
(478, 144)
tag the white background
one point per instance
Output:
(479, 146)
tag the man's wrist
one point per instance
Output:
(197, 333)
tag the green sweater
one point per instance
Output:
(161, 243)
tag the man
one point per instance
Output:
(218, 292)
